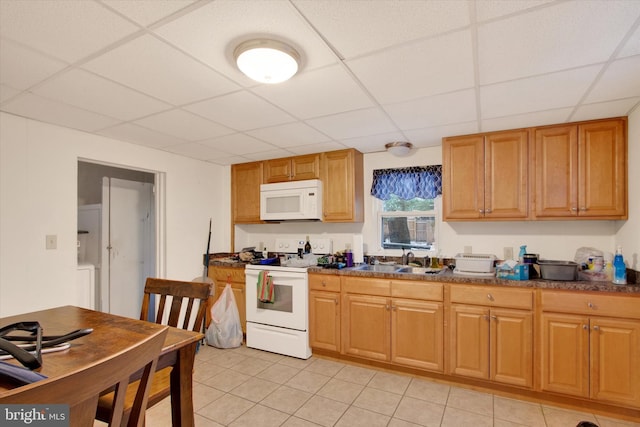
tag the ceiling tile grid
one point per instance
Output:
(161, 74)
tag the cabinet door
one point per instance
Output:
(277, 170)
(417, 334)
(615, 360)
(463, 177)
(469, 341)
(245, 192)
(324, 320)
(565, 354)
(602, 176)
(366, 328)
(343, 190)
(556, 171)
(506, 175)
(305, 167)
(511, 347)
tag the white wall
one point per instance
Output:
(38, 196)
(549, 239)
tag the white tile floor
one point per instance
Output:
(247, 387)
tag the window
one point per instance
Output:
(407, 214)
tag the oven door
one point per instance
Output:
(289, 309)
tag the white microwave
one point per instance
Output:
(292, 200)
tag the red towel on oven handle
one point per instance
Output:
(265, 287)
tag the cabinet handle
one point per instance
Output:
(585, 327)
(387, 307)
(590, 305)
(583, 209)
(490, 297)
(481, 211)
(573, 209)
(336, 300)
(324, 284)
(596, 328)
(494, 318)
(486, 317)
(488, 211)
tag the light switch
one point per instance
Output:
(52, 241)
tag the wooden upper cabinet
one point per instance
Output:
(581, 170)
(245, 192)
(343, 187)
(485, 176)
(292, 168)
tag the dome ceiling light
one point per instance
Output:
(399, 148)
(267, 61)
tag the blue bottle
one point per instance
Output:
(619, 268)
(523, 250)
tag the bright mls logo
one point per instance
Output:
(34, 415)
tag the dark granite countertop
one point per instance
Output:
(449, 277)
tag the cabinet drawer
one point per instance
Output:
(492, 296)
(221, 275)
(625, 306)
(367, 286)
(417, 289)
(324, 282)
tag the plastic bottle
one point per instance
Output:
(619, 268)
(265, 253)
(523, 250)
(307, 247)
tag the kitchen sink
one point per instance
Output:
(386, 268)
(379, 268)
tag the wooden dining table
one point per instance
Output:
(110, 335)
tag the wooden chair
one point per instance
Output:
(184, 294)
(81, 389)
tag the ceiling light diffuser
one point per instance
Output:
(399, 148)
(267, 61)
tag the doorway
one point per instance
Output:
(123, 203)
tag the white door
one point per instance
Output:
(127, 230)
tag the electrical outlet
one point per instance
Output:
(52, 241)
(508, 253)
(467, 250)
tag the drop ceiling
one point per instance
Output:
(160, 73)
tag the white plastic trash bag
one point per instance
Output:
(225, 330)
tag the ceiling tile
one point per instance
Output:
(22, 68)
(431, 137)
(240, 111)
(159, 70)
(140, 135)
(212, 32)
(7, 92)
(355, 27)
(534, 94)
(48, 111)
(90, 92)
(516, 121)
(184, 125)
(621, 79)
(196, 151)
(490, 9)
(352, 124)
(632, 47)
(317, 93)
(316, 148)
(434, 111)
(569, 34)
(37, 23)
(289, 135)
(238, 144)
(146, 12)
(622, 107)
(266, 155)
(437, 65)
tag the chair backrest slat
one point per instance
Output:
(183, 293)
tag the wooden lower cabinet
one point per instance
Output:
(324, 312)
(402, 331)
(234, 276)
(592, 357)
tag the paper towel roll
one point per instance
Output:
(358, 249)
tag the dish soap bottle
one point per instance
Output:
(619, 268)
(523, 250)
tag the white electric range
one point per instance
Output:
(282, 326)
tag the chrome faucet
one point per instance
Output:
(410, 257)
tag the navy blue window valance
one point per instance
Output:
(407, 183)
